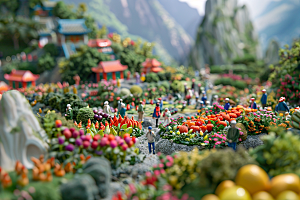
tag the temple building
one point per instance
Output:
(103, 46)
(21, 78)
(109, 70)
(151, 65)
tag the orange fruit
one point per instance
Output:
(284, 182)
(253, 179)
(235, 193)
(288, 195)
(224, 185)
(262, 195)
(210, 197)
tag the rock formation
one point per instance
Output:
(21, 136)
(272, 53)
(225, 33)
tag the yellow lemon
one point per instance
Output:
(253, 179)
(288, 195)
(262, 195)
(224, 185)
(210, 197)
(235, 193)
(284, 182)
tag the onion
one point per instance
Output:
(105, 115)
(96, 116)
(95, 111)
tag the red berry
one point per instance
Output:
(88, 137)
(67, 133)
(94, 144)
(126, 135)
(111, 137)
(124, 147)
(96, 137)
(86, 144)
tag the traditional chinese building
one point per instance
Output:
(151, 65)
(45, 10)
(3, 87)
(103, 46)
(109, 70)
(21, 78)
(72, 31)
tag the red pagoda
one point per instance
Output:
(21, 78)
(109, 70)
(151, 65)
(3, 87)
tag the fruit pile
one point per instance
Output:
(253, 183)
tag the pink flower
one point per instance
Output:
(148, 174)
(224, 138)
(215, 139)
(161, 165)
(206, 142)
(162, 171)
(156, 172)
(169, 158)
(240, 139)
(241, 133)
(169, 164)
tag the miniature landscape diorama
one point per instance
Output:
(136, 99)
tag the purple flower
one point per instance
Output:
(78, 142)
(99, 152)
(81, 132)
(70, 147)
(61, 140)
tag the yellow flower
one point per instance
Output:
(280, 114)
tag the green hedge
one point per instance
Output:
(228, 81)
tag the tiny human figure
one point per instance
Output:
(156, 114)
(227, 104)
(197, 102)
(264, 98)
(253, 104)
(281, 107)
(69, 112)
(151, 140)
(120, 105)
(201, 105)
(123, 110)
(128, 75)
(193, 84)
(189, 96)
(106, 108)
(233, 135)
(185, 89)
(183, 105)
(116, 112)
(215, 100)
(199, 88)
(137, 78)
(160, 101)
(167, 115)
(118, 83)
(141, 112)
(207, 103)
(204, 98)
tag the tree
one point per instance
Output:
(102, 33)
(90, 24)
(81, 63)
(63, 11)
(51, 49)
(81, 10)
(46, 62)
(132, 60)
(10, 5)
(33, 3)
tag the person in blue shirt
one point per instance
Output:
(160, 103)
(253, 104)
(227, 104)
(204, 98)
(281, 107)
(123, 110)
(264, 98)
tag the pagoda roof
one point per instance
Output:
(99, 43)
(21, 76)
(156, 69)
(72, 27)
(3, 86)
(109, 66)
(151, 63)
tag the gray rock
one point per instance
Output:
(147, 123)
(100, 170)
(253, 141)
(164, 146)
(82, 187)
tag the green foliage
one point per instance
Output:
(132, 60)
(46, 62)
(11, 5)
(47, 97)
(124, 92)
(177, 86)
(54, 102)
(278, 154)
(67, 99)
(90, 24)
(84, 114)
(228, 81)
(102, 33)
(288, 63)
(81, 63)
(63, 11)
(79, 104)
(7, 68)
(51, 48)
(33, 3)
(136, 90)
(152, 77)
(247, 59)
(117, 47)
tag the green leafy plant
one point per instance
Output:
(84, 114)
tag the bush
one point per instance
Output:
(152, 77)
(78, 104)
(245, 60)
(136, 90)
(48, 97)
(51, 49)
(7, 68)
(67, 99)
(84, 114)
(228, 81)
(46, 62)
(177, 86)
(124, 92)
(161, 76)
(54, 102)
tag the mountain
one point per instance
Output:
(226, 33)
(187, 17)
(279, 21)
(271, 56)
(145, 19)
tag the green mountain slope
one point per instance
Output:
(225, 33)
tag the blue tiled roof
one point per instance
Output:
(72, 27)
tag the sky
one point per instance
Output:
(255, 6)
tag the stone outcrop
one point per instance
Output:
(21, 136)
(253, 141)
(272, 53)
(225, 33)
